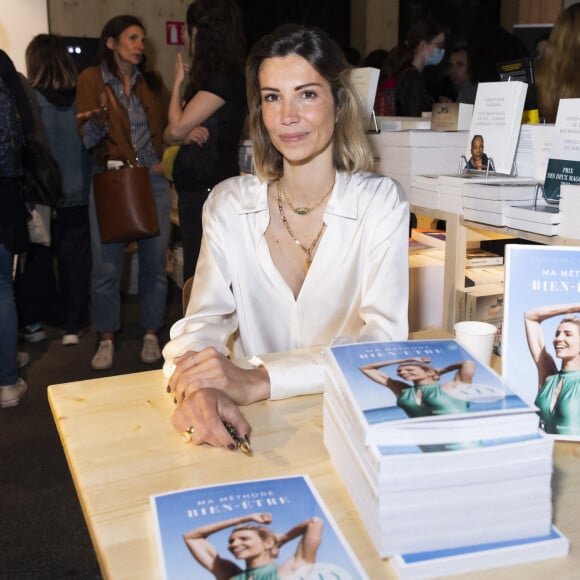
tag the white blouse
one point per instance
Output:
(357, 285)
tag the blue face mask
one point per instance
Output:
(435, 58)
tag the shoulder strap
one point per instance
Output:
(114, 105)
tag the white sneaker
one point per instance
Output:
(70, 339)
(10, 395)
(150, 352)
(103, 358)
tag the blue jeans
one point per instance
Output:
(8, 321)
(108, 267)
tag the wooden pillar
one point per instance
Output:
(374, 24)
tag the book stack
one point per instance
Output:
(402, 154)
(540, 218)
(435, 451)
(486, 199)
(424, 192)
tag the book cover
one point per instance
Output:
(366, 80)
(430, 389)
(219, 531)
(495, 126)
(564, 160)
(541, 336)
(433, 238)
(486, 556)
(541, 136)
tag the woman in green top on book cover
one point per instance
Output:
(425, 396)
(253, 541)
(558, 398)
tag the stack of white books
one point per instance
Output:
(402, 154)
(423, 191)
(540, 218)
(435, 451)
(486, 199)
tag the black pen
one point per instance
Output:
(244, 445)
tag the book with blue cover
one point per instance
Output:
(429, 391)
(487, 556)
(269, 528)
(541, 333)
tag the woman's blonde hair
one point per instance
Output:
(351, 149)
(557, 70)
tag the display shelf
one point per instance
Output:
(456, 244)
(522, 234)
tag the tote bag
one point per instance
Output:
(125, 205)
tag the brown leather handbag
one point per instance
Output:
(124, 199)
(125, 205)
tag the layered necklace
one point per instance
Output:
(300, 211)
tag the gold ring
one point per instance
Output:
(187, 435)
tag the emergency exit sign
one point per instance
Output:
(174, 33)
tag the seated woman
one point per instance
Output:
(311, 248)
(424, 395)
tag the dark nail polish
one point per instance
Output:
(175, 400)
(168, 389)
(231, 447)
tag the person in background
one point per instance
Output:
(311, 248)
(424, 46)
(557, 71)
(459, 70)
(540, 45)
(15, 120)
(376, 58)
(52, 72)
(209, 125)
(129, 130)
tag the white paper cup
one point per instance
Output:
(477, 337)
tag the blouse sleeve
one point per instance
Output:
(210, 318)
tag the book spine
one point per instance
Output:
(460, 299)
(483, 261)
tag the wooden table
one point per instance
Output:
(121, 449)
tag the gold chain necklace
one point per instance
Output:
(301, 210)
(307, 250)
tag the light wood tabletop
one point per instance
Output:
(121, 449)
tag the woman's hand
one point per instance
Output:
(261, 518)
(198, 135)
(98, 116)
(210, 369)
(203, 414)
(181, 69)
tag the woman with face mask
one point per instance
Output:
(424, 46)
